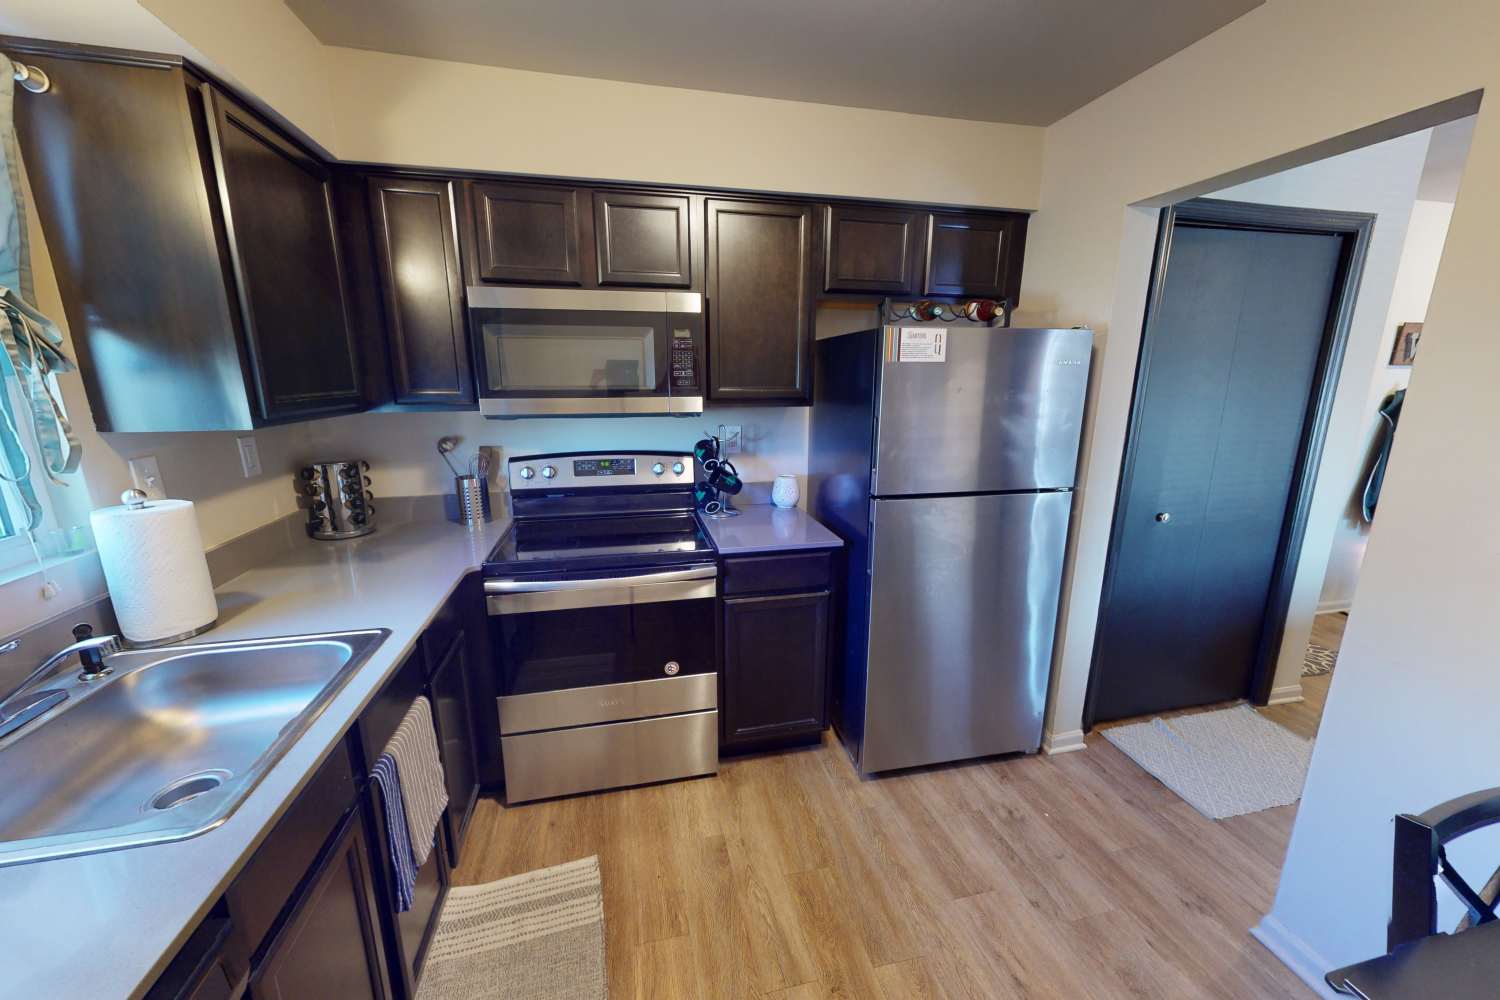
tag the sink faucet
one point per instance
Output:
(91, 651)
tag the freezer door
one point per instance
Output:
(963, 610)
(1001, 410)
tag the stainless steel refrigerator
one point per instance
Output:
(945, 457)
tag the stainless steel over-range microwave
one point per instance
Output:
(587, 352)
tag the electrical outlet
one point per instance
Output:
(146, 475)
(249, 456)
(733, 439)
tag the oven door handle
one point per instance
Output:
(518, 597)
(606, 583)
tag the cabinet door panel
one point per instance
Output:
(973, 254)
(869, 249)
(422, 288)
(449, 692)
(283, 246)
(775, 667)
(760, 320)
(527, 234)
(331, 946)
(642, 239)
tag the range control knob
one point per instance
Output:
(658, 469)
(677, 468)
(527, 472)
(548, 471)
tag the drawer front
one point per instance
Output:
(777, 573)
(526, 713)
(260, 892)
(567, 761)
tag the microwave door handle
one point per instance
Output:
(607, 583)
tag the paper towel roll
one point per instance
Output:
(155, 568)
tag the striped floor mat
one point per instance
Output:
(1318, 660)
(537, 936)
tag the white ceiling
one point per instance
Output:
(1029, 62)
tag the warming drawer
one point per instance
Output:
(611, 755)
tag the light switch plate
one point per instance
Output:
(249, 456)
(146, 475)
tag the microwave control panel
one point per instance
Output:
(684, 360)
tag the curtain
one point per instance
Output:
(32, 345)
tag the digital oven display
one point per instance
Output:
(603, 467)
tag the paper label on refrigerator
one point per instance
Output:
(922, 344)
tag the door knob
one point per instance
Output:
(1163, 517)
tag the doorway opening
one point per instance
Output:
(1282, 324)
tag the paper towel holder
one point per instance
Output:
(137, 499)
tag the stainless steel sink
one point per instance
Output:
(168, 745)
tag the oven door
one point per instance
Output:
(579, 352)
(579, 652)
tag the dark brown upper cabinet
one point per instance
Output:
(974, 254)
(870, 250)
(277, 204)
(642, 239)
(760, 301)
(526, 233)
(421, 287)
(193, 247)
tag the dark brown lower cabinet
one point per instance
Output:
(775, 670)
(448, 689)
(331, 945)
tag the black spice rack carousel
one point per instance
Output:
(720, 479)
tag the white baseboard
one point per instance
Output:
(1056, 743)
(1331, 607)
(1294, 953)
(1285, 695)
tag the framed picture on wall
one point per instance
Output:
(1405, 351)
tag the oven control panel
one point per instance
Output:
(598, 470)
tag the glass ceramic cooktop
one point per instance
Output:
(561, 540)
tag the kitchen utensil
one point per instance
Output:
(445, 447)
(337, 497)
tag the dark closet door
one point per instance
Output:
(1230, 361)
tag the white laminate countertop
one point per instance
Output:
(103, 926)
(766, 528)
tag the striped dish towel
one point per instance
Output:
(385, 775)
(424, 791)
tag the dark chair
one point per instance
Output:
(1419, 962)
(1420, 856)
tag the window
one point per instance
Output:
(16, 553)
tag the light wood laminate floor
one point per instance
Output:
(788, 876)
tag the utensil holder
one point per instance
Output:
(473, 495)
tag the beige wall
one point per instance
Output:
(1407, 722)
(420, 111)
(385, 108)
(1410, 293)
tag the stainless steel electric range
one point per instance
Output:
(601, 602)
